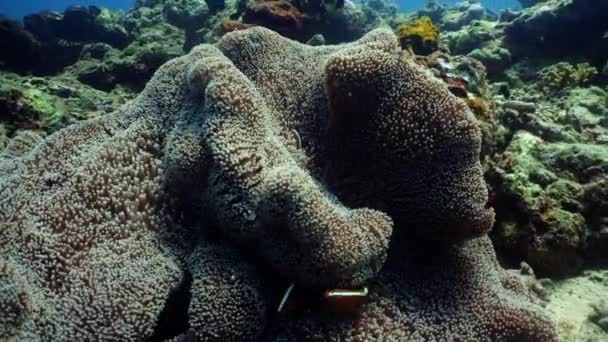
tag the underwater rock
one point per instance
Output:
(469, 11)
(383, 6)
(77, 24)
(316, 8)
(434, 10)
(302, 20)
(347, 24)
(95, 51)
(49, 41)
(539, 217)
(600, 314)
(186, 14)
(316, 40)
(470, 37)
(19, 49)
(215, 5)
(453, 18)
(551, 185)
(595, 207)
(22, 52)
(554, 27)
(508, 15)
(231, 25)
(496, 59)
(189, 15)
(111, 225)
(469, 71)
(155, 41)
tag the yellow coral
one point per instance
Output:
(419, 35)
(477, 106)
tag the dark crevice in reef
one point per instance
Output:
(173, 320)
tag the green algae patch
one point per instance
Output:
(46, 104)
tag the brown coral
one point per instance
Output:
(278, 15)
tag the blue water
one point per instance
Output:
(494, 5)
(18, 8)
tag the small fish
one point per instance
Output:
(344, 301)
(286, 296)
(335, 301)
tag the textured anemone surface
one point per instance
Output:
(255, 156)
(433, 293)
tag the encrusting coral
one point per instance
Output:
(306, 159)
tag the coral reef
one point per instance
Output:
(555, 222)
(229, 232)
(563, 75)
(112, 225)
(550, 181)
(87, 47)
(545, 147)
